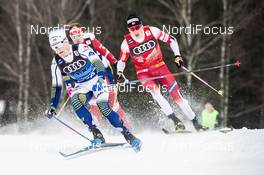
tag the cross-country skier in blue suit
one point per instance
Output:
(78, 64)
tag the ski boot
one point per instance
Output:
(179, 126)
(196, 124)
(98, 136)
(132, 140)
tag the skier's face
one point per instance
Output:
(209, 107)
(64, 50)
(76, 34)
(77, 38)
(136, 31)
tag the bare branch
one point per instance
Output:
(10, 69)
(248, 110)
(8, 79)
(208, 45)
(80, 12)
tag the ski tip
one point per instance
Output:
(61, 153)
(165, 131)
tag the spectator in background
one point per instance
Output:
(209, 117)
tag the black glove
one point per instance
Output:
(121, 77)
(178, 61)
(50, 112)
(115, 65)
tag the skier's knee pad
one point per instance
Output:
(78, 100)
(104, 108)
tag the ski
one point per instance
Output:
(91, 149)
(175, 132)
(222, 130)
(226, 130)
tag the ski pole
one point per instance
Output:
(63, 106)
(220, 92)
(237, 63)
(63, 123)
(71, 128)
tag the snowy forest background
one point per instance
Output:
(25, 78)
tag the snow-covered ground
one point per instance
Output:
(238, 152)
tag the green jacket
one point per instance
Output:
(209, 119)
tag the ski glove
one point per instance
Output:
(115, 65)
(121, 77)
(50, 112)
(178, 61)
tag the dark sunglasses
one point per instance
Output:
(133, 28)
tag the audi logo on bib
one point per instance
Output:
(144, 47)
(74, 66)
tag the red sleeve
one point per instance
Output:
(103, 51)
(124, 51)
(123, 56)
(160, 35)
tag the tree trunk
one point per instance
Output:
(262, 109)
(27, 67)
(20, 61)
(226, 90)
(222, 70)
(187, 9)
(92, 13)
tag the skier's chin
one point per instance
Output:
(138, 34)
